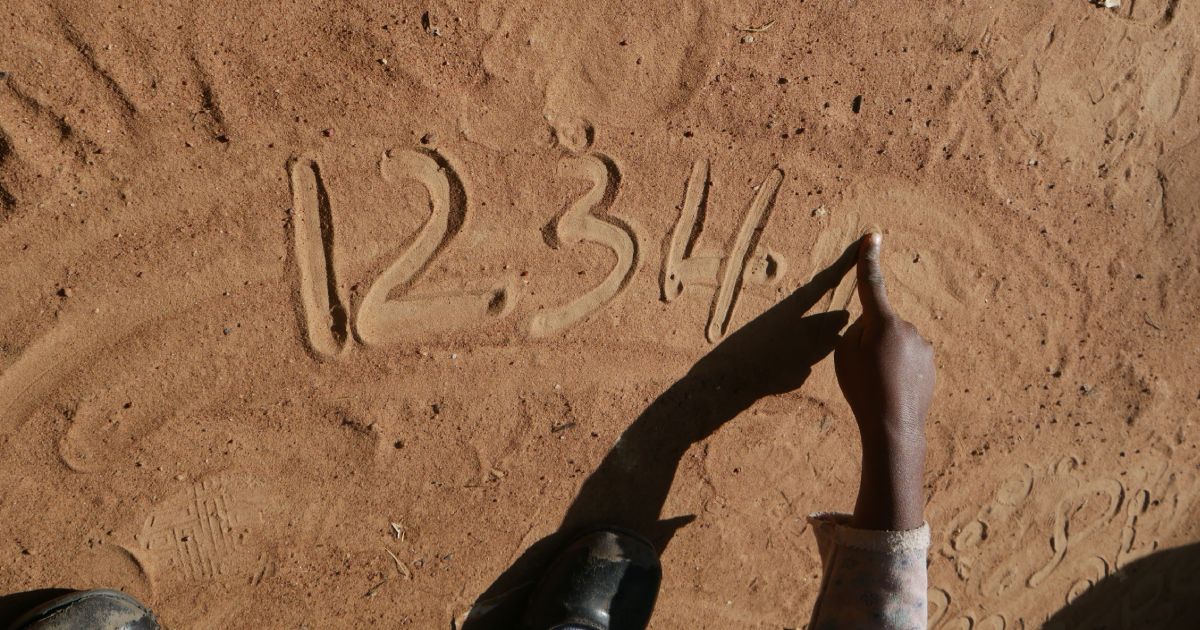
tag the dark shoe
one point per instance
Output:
(99, 609)
(606, 580)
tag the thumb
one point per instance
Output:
(871, 292)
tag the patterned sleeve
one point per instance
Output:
(872, 579)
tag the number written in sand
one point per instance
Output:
(325, 319)
(587, 219)
(746, 262)
(380, 317)
(388, 311)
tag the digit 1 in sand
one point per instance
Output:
(326, 322)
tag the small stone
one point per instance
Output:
(1109, 4)
(747, 39)
(429, 138)
(820, 211)
(223, 139)
(66, 292)
(327, 132)
(226, 330)
(427, 25)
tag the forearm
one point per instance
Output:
(891, 486)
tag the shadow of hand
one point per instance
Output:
(773, 354)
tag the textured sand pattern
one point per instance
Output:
(320, 314)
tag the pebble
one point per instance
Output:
(428, 138)
(66, 292)
(328, 132)
(747, 39)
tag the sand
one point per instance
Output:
(321, 314)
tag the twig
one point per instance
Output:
(756, 29)
(399, 565)
(371, 593)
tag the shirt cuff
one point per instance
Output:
(834, 527)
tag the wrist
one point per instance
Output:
(891, 489)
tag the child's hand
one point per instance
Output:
(885, 369)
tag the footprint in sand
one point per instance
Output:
(206, 532)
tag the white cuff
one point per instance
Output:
(834, 527)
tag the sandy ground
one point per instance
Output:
(321, 314)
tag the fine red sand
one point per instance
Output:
(319, 314)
